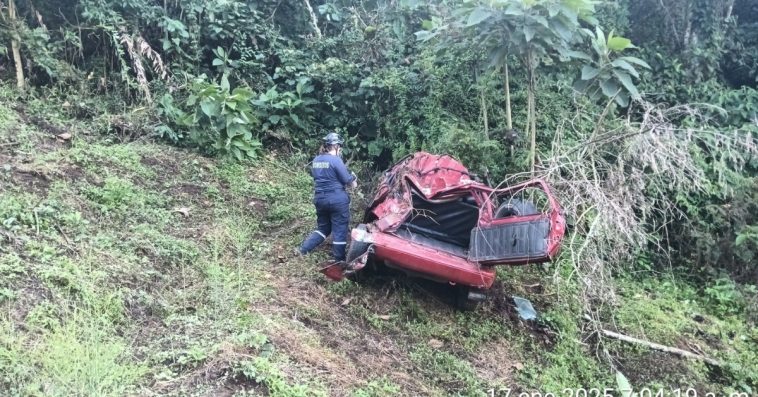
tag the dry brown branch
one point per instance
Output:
(138, 49)
(659, 347)
(618, 187)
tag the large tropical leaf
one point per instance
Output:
(210, 107)
(574, 54)
(581, 85)
(609, 87)
(477, 16)
(618, 43)
(497, 56)
(424, 35)
(563, 31)
(626, 80)
(622, 99)
(620, 63)
(623, 385)
(636, 61)
(529, 33)
(589, 72)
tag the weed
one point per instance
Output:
(11, 266)
(117, 195)
(65, 274)
(80, 357)
(478, 329)
(568, 364)
(121, 159)
(6, 294)
(24, 211)
(14, 366)
(236, 177)
(167, 248)
(725, 296)
(263, 370)
(377, 388)
(41, 251)
(43, 316)
(447, 371)
(656, 309)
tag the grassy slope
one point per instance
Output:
(107, 289)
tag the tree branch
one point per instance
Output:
(314, 20)
(659, 347)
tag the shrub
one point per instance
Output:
(218, 121)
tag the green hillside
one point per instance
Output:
(142, 269)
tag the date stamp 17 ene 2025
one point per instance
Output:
(614, 392)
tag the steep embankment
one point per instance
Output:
(142, 269)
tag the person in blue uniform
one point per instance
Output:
(331, 178)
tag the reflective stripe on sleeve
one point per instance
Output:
(339, 243)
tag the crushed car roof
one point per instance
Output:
(434, 177)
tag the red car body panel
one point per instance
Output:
(429, 263)
(440, 179)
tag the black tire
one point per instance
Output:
(462, 300)
(356, 248)
(515, 207)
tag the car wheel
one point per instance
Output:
(515, 207)
(355, 250)
(467, 298)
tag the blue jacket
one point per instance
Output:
(330, 173)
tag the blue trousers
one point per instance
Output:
(332, 216)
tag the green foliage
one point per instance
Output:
(24, 213)
(389, 94)
(262, 370)
(726, 297)
(285, 113)
(608, 74)
(221, 122)
(80, 358)
(479, 154)
(117, 195)
(569, 360)
(447, 370)
(377, 388)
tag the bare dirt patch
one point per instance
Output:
(48, 140)
(336, 344)
(164, 167)
(30, 293)
(258, 207)
(494, 363)
(29, 179)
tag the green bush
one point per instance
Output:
(219, 121)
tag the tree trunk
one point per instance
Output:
(484, 115)
(507, 97)
(16, 45)
(532, 116)
(729, 8)
(314, 20)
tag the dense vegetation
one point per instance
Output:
(642, 114)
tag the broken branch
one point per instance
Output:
(659, 347)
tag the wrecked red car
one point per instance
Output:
(430, 218)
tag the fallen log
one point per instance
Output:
(657, 346)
